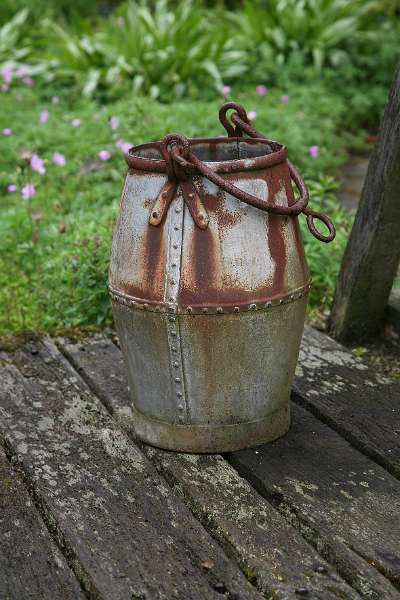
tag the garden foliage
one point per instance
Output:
(79, 86)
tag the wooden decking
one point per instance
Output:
(86, 511)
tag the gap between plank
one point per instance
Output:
(56, 534)
(331, 556)
(369, 452)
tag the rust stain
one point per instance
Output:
(215, 204)
(153, 258)
(203, 283)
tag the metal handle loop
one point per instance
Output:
(241, 121)
(239, 109)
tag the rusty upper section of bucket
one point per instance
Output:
(245, 259)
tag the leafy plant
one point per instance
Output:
(317, 29)
(165, 52)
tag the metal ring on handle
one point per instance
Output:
(313, 214)
(241, 121)
(239, 109)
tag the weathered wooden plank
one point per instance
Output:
(126, 533)
(31, 565)
(228, 506)
(351, 397)
(373, 251)
(338, 498)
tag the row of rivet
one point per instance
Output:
(175, 231)
(296, 295)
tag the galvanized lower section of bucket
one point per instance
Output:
(211, 383)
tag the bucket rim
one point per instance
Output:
(276, 155)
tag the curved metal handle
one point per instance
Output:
(179, 149)
(242, 123)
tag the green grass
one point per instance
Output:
(51, 279)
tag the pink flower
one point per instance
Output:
(114, 122)
(59, 159)
(28, 81)
(104, 155)
(55, 100)
(11, 188)
(285, 99)
(76, 123)
(123, 146)
(226, 90)
(7, 74)
(44, 116)
(4, 87)
(37, 164)
(7, 132)
(23, 71)
(252, 115)
(261, 90)
(314, 151)
(28, 191)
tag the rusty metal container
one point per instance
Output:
(209, 283)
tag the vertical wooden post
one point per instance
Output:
(373, 251)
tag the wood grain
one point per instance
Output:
(210, 487)
(373, 251)
(342, 502)
(31, 565)
(351, 397)
(125, 532)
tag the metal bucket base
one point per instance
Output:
(208, 439)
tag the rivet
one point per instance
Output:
(176, 364)
(220, 309)
(177, 379)
(173, 265)
(204, 309)
(172, 281)
(145, 306)
(175, 246)
(173, 349)
(268, 304)
(281, 301)
(292, 298)
(176, 227)
(189, 309)
(177, 210)
(236, 309)
(173, 332)
(180, 407)
(155, 214)
(171, 319)
(253, 306)
(158, 308)
(191, 195)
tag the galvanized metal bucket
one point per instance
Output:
(209, 283)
